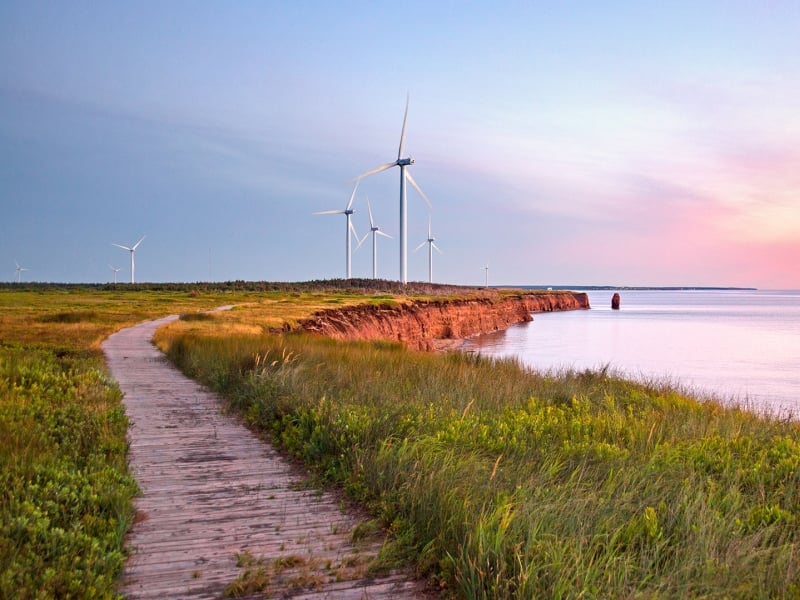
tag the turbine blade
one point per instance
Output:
(437, 248)
(379, 232)
(403, 132)
(353, 231)
(123, 247)
(376, 170)
(369, 208)
(139, 242)
(362, 240)
(330, 212)
(353, 195)
(421, 245)
(416, 187)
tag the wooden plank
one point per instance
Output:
(211, 489)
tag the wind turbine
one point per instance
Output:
(132, 250)
(404, 176)
(486, 268)
(115, 269)
(375, 231)
(350, 229)
(431, 245)
(19, 270)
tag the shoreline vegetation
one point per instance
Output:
(493, 480)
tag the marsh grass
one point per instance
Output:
(500, 482)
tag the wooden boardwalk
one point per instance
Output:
(212, 492)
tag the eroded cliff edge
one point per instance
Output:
(420, 324)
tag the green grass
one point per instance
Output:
(499, 482)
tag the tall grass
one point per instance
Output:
(500, 482)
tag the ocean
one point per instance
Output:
(740, 347)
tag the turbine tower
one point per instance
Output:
(132, 250)
(431, 245)
(404, 176)
(347, 212)
(116, 270)
(19, 270)
(375, 231)
(486, 268)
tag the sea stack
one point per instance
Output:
(615, 301)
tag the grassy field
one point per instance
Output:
(65, 493)
(498, 482)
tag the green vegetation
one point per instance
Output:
(64, 488)
(65, 492)
(498, 482)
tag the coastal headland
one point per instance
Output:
(435, 324)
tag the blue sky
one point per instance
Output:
(628, 143)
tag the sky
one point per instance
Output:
(561, 143)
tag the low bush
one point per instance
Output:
(64, 487)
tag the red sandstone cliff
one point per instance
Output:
(420, 323)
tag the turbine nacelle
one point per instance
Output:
(404, 162)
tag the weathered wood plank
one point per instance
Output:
(211, 490)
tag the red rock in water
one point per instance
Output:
(615, 301)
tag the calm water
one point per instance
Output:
(737, 345)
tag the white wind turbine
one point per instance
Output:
(431, 245)
(375, 231)
(116, 270)
(350, 230)
(486, 268)
(404, 176)
(132, 250)
(19, 270)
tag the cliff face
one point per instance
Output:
(420, 324)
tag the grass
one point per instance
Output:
(499, 482)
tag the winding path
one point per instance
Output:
(212, 492)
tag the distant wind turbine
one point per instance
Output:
(375, 231)
(350, 229)
(431, 245)
(486, 268)
(116, 270)
(132, 250)
(404, 176)
(19, 270)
